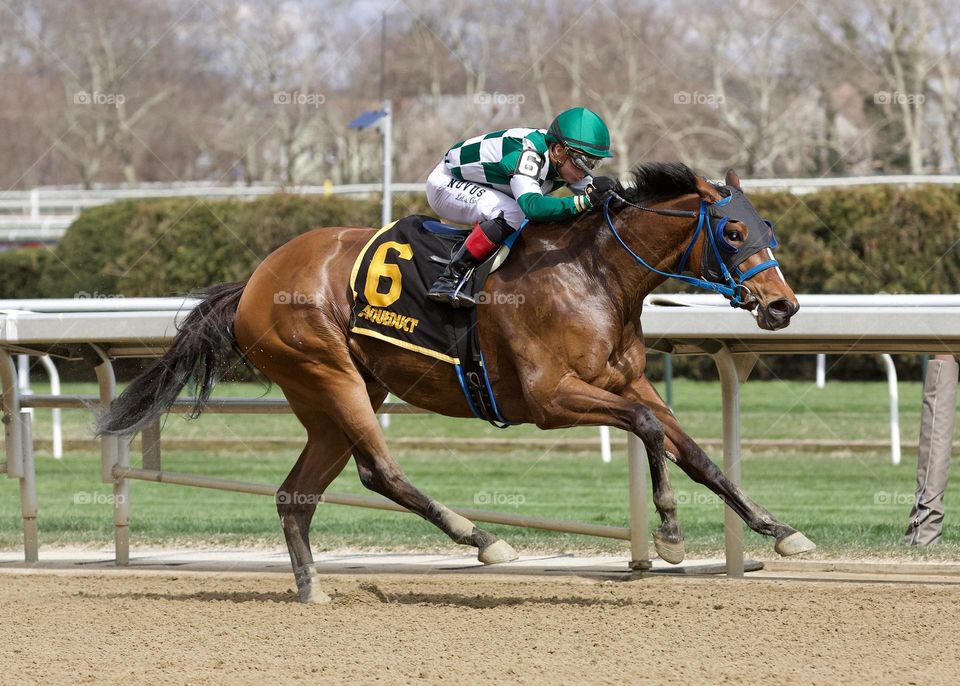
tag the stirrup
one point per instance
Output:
(448, 286)
(452, 293)
(459, 298)
(440, 295)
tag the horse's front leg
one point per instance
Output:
(694, 461)
(575, 402)
(668, 538)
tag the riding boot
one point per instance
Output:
(933, 464)
(444, 289)
(482, 242)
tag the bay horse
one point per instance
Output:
(570, 352)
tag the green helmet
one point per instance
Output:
(581, 129)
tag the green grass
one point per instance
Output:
(771, 410)
(848, 505)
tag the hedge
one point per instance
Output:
(21, 272)
(870, 239)
(85, 254)
(169, 247)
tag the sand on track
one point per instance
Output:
(205, 628)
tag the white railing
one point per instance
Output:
(677, 324)
(810, 185)
(41, 201)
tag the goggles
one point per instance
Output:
(582, 161)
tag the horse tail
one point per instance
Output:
(203, 350)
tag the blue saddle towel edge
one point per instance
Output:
(434, 226)
(486, 376)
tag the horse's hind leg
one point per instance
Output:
(380, 472)
(323, 458)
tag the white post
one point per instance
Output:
(28, 493)
(387, 128)
(894, 408)
(637, 476)
(54, 376)
(23, 374)
(12, 419)
(23, 378)
(733, 370)
(821, 371)
(605, 444)
(385, 417)
(35, 204)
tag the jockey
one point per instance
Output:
(494, 181)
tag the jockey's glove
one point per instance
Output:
(600, 188)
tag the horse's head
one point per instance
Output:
(737, 251)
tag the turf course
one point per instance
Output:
(849, 503)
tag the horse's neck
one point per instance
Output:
(591, 246)
(659, 240)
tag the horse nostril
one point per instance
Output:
(782, 308)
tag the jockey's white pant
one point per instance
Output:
(466, 202)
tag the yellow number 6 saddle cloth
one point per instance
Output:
(390, 280)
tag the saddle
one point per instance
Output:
(390, 280)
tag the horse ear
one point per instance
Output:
(707, 190)
(732, 179)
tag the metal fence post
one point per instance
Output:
(114, 454)
(12, 432)
(637, 474)
(28, 492)
(733, 370)
(150, 446)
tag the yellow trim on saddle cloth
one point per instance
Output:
(403, 344)
(363, 251)
(376, 334)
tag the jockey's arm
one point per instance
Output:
(539, 207)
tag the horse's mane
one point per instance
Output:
(659, 181)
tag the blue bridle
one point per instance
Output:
(722, 252)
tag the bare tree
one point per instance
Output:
(755, 91)
(280, 119)
(890, 40)
(110, 90)
(903, 48)
(103, 54)
(945, 76)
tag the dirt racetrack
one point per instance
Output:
(202, 628)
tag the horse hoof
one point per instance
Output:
(794, 544)
(497, 552)
(668, 552)
(312, 595)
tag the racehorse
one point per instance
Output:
(569, 353)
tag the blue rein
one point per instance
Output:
(734, 287)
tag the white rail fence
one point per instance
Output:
(673, 324)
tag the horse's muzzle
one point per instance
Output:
(776, 314)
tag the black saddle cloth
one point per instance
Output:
(390, 281)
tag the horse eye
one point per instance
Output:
(734, 236)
